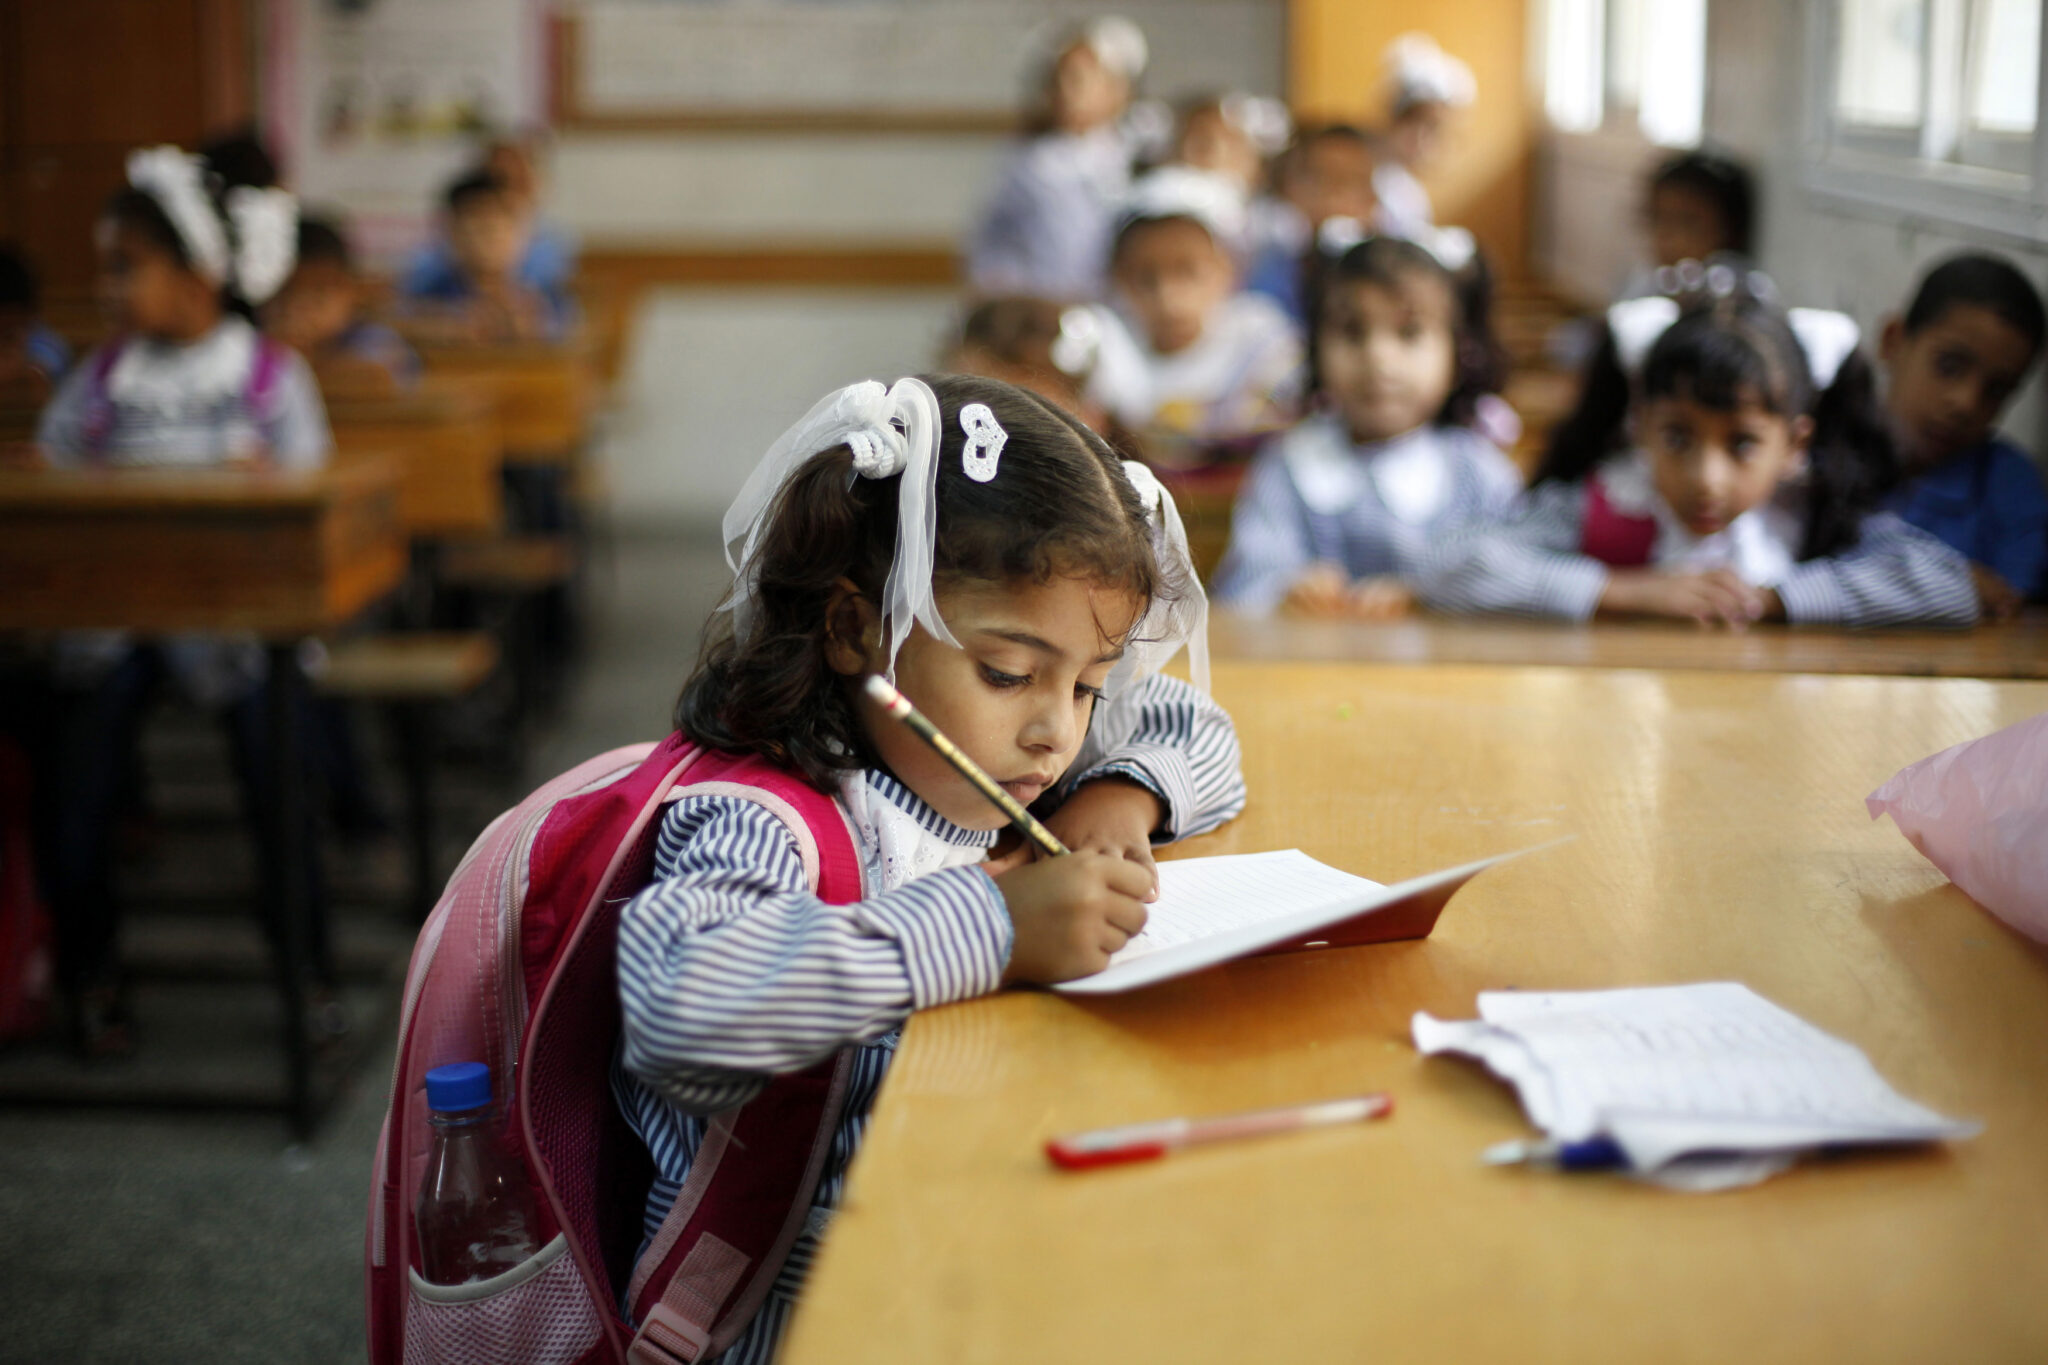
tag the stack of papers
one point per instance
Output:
(1704, 1086)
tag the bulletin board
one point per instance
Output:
(875, 65)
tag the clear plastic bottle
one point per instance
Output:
(475, 1217)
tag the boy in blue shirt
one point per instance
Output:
(1967, 340)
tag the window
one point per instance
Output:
(1613, 63)
(1943, 81)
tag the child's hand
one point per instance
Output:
(1112, 816)
(1382, 597)
(1718, 596)
(1322, 590)
(1997, 599)
(1070, 914)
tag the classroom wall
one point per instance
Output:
(1334, 49)
(1822, 250)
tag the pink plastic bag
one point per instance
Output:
(1979, 812)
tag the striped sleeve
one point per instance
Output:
(1526, 565)
(1270, 538)
(60, 431)
(1183, 750)
(731, 970)
(1895, 576)
(295, 428)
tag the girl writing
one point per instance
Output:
(1723, 465)
(1022, 587)
(187, 382)
(1337, 513)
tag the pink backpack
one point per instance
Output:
(515, 968)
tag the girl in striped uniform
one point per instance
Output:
(1724, 465)
(1337, 513)
(1023, 587)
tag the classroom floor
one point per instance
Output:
(174, 1237)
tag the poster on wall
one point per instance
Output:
(374, 105)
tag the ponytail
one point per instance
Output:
(1852, 461)
(1597, 425)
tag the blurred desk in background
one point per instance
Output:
(1722, 837)
(2015, 650)
(282, 556)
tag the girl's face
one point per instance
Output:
(1210, 142)
(1388, 354)
(1017, 695)
(1085, 93)
(1685, 225)
(146, 291)
(1173, 274)
(1712, 466)
(1330, 177)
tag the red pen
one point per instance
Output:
(1149, 1141)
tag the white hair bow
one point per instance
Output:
(177, 181)
(1118, 44)
(892, 432)
(1212, 200)
(1635, 325)
(1826, 338)
(1423, 73)
(266, 224)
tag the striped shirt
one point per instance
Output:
(1313, 496)
(1531, 565)
(731, 970)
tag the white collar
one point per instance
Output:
(169, 377)
(1408, 471)
(901, 838)
(1761, 545)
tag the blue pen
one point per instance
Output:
(1593, 1154)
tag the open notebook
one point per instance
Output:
(1212, 910)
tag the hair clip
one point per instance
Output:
(985, 441)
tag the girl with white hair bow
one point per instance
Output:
(1022, 587)
(1725, 464)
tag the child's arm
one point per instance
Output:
(2016, 506)
(295, 428)
(1527, 565)
(60, 431)
(1894, 576)
(731, 970)
(1270, 539)
(1181, 747)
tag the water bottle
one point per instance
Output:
(475, 1217)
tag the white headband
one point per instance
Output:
(1118, 44)
(1827, 338)
(1264, 121)
(1423, 73)
(1452, 247)
(264, 223)
(897, 432)
(1213, 200)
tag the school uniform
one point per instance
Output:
(1047, 230)
(374, 343)
(1405, 210)
(1242, 376)
(548, 266)
(731, 970)
(231, 395)
(1314, 496)
(1988, 503)
(1553, 554)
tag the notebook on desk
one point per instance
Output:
(1215, 910)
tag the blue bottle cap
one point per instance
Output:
(458, 1086)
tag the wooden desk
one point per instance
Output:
(2016, 650)
(1722, 836)
(279, 555)
(448, 452)
(544, 393)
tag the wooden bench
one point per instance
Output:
(408, 674)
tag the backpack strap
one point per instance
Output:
(1612, 536)
(748, 1195)
(99, 404)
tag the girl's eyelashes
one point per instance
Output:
(997, 678)
(1084, 692)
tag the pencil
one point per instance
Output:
(899, 706)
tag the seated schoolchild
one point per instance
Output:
(1232, 136)
(319, 311)
(30, 353)
(188, 382)
(1971, 333)
(548, 262)
(1036, 344)
(1338, 513)
(1426, 86)
(1327, 174)
(1187, 361)
(483, 298)
(1046, 231)
(1724, 465)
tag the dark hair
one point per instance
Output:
(1127, 227)
(1976, 280)
(1331, 132)
(1720, 353)
(239, 157)
(141, 214)
(1724, 182)
(1391, 262)
(19, 287)
(321, 239)
(1060, 505)
(471, 186)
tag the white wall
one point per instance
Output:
(1823, 250)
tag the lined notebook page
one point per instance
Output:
(1202, 897)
